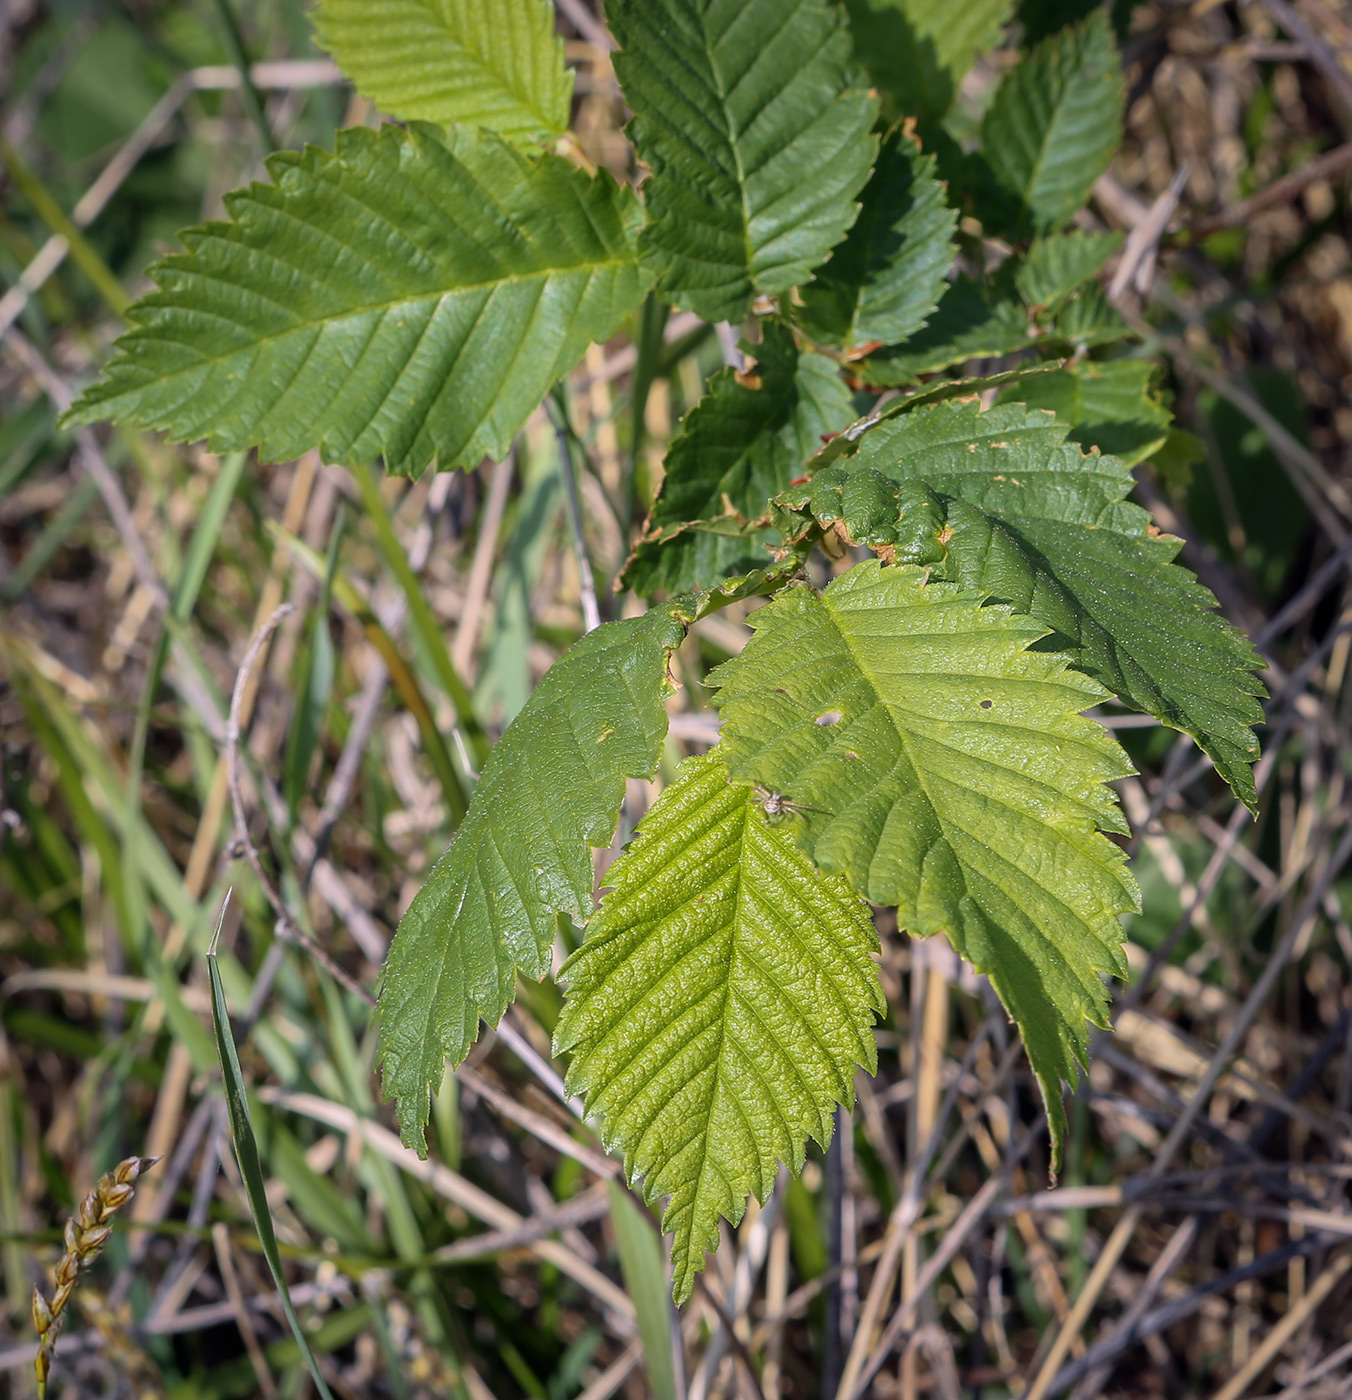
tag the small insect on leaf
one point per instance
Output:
(775, 805)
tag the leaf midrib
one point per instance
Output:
(747, 816)
(733, 145)
(149, 330)
(909, 749)
(489, 76)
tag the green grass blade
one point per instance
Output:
(401, 676)
(52, 536)
(315, 686)
(246, 1154)
(420, 611)
(645, 1280)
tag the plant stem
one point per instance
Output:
(248, 94)
(51, 214)
(586, 583)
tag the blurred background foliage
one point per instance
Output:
(133, 575)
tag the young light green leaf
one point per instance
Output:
(719, 1006)
(550, 791)
(974, 320)
(741, 444)
(492, 63)
(1108, 404)
(918, 51)
(1025, 516)
(883, 282)
(1058, 265)
(250, 1168)
(944, 766)
(758, 134)
(413, 295)
(1051, 129)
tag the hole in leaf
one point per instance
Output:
(986, 704)
(830, 717)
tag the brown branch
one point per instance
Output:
(1324, 167)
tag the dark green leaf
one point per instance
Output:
(413, 295)
(883, 282)
(917, 51)
(1058, 265)
(741, 444)
(1108, 404)
(1051, 130)
(974, 320)
(1000, 501)
(753, 120)
(550, 791)
(1088, 320)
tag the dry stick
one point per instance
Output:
(1172, 1313)
(1321, 53)
(1330, 1363)
(728, 1331)
(1306, 471)
(220, 1239)
(906, 1213)
(1170, 1257)
(538, 1125)
(184, 1151)
(1335, 1223)
(586, 582)
(776, 1291)
(286, 923)
(99, 470)
(623, 361)
(373, 687)
(954, 1238)
(615, 1375)
(587, 24)
(796, 1302)
(728, 346)
(1325, 167)
(1184, 1233)
(293, 73)
(1126, 1227)
(538, 1065)
(167, 1109)
(453, 1187)
(92, 203)
(1137, 262)
(1216, 865)
(581, 1210)
(833, 1186)
(465, 647)
(189, 1320)
(933, 1037)
(744, 1274)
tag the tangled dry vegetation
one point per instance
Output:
(1199, 1241)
